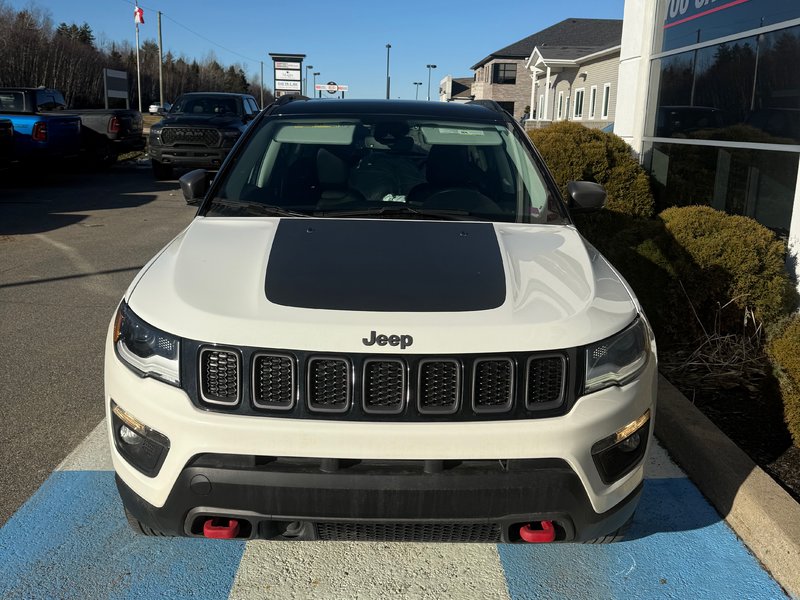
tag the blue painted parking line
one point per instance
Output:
(678, 547)
(71, 540)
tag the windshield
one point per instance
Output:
(386, 166)
(206, 105)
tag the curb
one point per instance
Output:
(758, 510)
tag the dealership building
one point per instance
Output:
(711, 103)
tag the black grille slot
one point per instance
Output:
(190, 135)
(219, 376)
(410, 532)
(546, 377)
(493, 385)
(384, 386)
(439, 386)
(328, 384)
(273, 381)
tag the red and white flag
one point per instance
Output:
(138, 16)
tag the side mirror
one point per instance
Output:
(194, 186)
(585, 196)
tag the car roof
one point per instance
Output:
(411, 108)
(214, 94)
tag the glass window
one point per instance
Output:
(539, 114)
(362, 167)
(688, 22)
(755, 183)
(560, 105)
(606, 100)
(579, 104)
(593, 102)
(747, 90)
(505, 73)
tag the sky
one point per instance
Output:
(344, 40)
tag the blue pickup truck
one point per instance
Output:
(6, 141)
(44, 128)
(41, 131)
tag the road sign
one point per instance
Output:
(331, 87)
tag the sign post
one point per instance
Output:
(287, 73)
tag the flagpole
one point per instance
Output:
(138, 70)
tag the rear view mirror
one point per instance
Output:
(585, 196)
(194, 186)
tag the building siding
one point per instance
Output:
(518, 93)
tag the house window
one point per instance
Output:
(578, 104)
(606, 100)
(560, 105)
(540, 108)
(504, 73)
(593, 102)
(508, 107)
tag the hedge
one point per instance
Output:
(576, 153)
(784, 351)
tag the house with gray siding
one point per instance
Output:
(507, 76)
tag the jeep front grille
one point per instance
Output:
(219, 376)
(409, 532)
(273, 381)
(493, 387)
(369, 387)
(384, 386)
(201, 136)
(545, 380)
(439, 386)
(328, 384)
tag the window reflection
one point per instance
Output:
(747, 90)
(755, 183)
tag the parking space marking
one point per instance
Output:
(71, 540)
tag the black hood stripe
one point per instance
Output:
(388, 266)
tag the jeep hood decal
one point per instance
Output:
(385, 266)
(508, 286)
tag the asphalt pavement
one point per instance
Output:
(70, 243)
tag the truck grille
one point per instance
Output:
(219, 382)
(410, 532)
(190, 135)
(289, 383)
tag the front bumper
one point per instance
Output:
(470, 501)
(197, 157)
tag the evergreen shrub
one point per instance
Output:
(576, 153)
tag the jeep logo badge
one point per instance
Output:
(404, 341)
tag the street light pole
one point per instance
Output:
(416, 89)
(315, 73)
(388, 87)
(429, 79)
(308, 68)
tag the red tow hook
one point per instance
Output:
(221, 529)
(538, 536)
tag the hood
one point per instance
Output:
(220, 121)
(327, 284)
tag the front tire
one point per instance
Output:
(615, 536)
(141, 529)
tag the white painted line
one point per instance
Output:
(288, 570)
(92, 454)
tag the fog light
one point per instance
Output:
(141, 446)
(129, 436)
(618, 454)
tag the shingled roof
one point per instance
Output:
(595, 33)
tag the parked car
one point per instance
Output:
(103, 133)
(199, 131)
(450, 362)
(42, 132)
(156, 109)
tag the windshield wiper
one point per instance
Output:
(258, 208)
(399, 210)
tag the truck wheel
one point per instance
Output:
(161, 171)
(615, 536)
(141, 529)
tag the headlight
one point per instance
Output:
(148, 351)
(618, 359)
